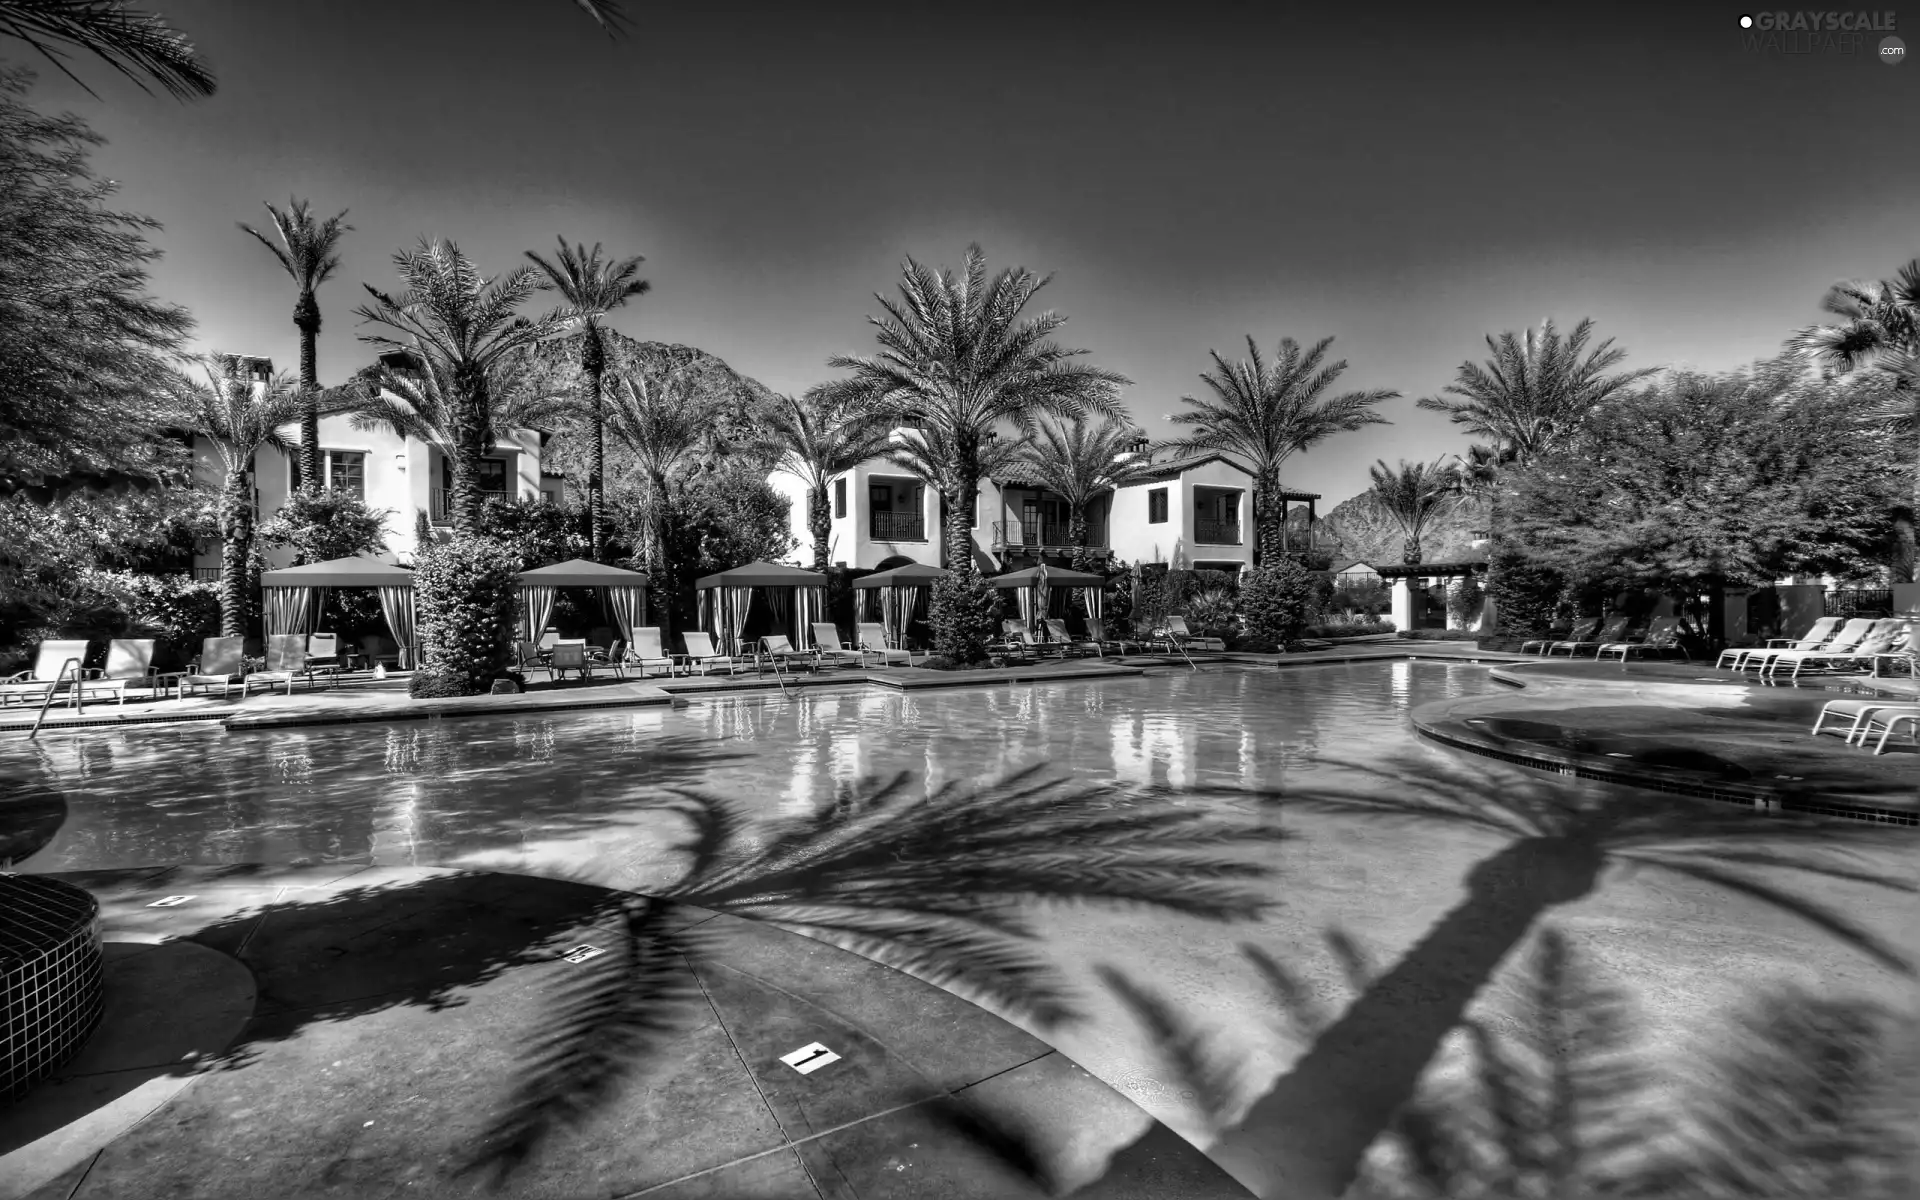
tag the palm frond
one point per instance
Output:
(139, 45)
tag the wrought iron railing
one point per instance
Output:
(1847, 602)
(897, 527)
(1048, 534)
(440, 506)
(206, 574)
(1216, 533)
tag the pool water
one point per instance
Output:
(561, 794)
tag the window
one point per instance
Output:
(492, 477)
(1157, 506)
(840, 497)
(346, 471)
(550, 496)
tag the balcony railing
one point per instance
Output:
(1216, 533)
(1038, 535)
(206, 574)
(897, 527)
(440, 504)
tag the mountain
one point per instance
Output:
(1362, 531)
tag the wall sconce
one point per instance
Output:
(400, 461)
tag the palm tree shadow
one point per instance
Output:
(1306, 1136)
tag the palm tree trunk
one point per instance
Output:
(596, 480)
(306, 318)
(1271, 539)
(236, 533)
(1410, 550)
(469, 447)
(1077, 538)
(820, 524)
(1305, 1138)
(959, 531)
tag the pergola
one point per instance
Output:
(1033, 589)
(625, 593)
(790, 600)
(899, 594)
(294, 596)
(1404, 577)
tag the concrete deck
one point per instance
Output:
(1688, 729)
(370, 1033)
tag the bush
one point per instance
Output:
(964, 613)
(1274, 601)
(1440, 635)
(435, 685)
(1211, 613)
(1526, 595)
(1465, 599)
(321, 526)
(938, 663)
(1367, 596)
(174, 610)
(464, 599)
(1344, 628)
(535, 532)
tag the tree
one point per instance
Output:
(1263, 413)
(1879, 330)
(1535, 390)
(593, 287)
(664, 435)
(1703, 482)
(1081, 462)
(465, 332)
(84, 351)
(956, 361)
(308, 252)
(1413, 495)
(132, 42)
(322, 526)
(239, 417)
(824, 434)
(536, 532)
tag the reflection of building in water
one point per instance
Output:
(1154, 749)
(396, 828)
(1400, 682)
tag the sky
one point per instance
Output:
(1405, 180)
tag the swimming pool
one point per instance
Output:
(558, 794)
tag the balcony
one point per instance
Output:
(897, 527)
(440, 504)
(1216, 533)
(1038, 536)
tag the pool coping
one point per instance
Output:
(1434, 721)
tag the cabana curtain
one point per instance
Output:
(738, 601)
(286, 609)
(897, 605)
(810, 604)
(629, 605)
(536, 605)
(1095, 600)
(396, 604)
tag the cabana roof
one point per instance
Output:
(356, 571)
(578, 572)
(1056, 576)
(762, 574)
(911, 575)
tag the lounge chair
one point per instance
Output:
(1582, 630)
(1176, 633)
(872, 637)
(286, 658)
(829, 649)
(221, 661)
(323, 653)
(646, 651)
(1015, 636)
(1879, 637)
(1057, 633)
(780, 649)
(376, 649)
(570, 655)
(1613, 631)
(706, 659)
(1864, 711)
(55, 663)
(129, 661)
(1757, 657)
(1662, 635)
(549, 640)
(526, 657)
(1818, 635)
(1097, 633)
(1889, 723)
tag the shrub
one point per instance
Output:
(535, 532)
(1274, 602)
(464, 598)
(1465, 598)
(1211, 613)
(1345, 628)
(1526, 594)
(321, 526)
(938, 662)
(1369, 596)
(1440, 635)
(174, 610)
(435, 685)
(964, 613)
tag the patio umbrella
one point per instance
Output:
(1039, 595)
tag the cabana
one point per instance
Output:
(625, 593)
(747, 602)
(1033, 589)
(294, 596)
(895, 597)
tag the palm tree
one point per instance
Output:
(1307, 1134)
(308, 251)
(823, 434)
(607, 14)
(466, 327)
(667, 437)
(928, 454)
(1081, 462)
(593, 287)
(1535, 390)
(1412, 496)
(132, 42)
(239, 417)
(1263, 413)
(1879, 329)
(957, 360)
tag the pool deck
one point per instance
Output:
(293, 1032)
(359, 697)
(1690, 729)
